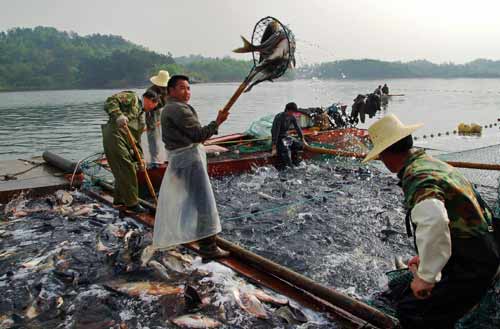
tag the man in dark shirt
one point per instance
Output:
(284, 146)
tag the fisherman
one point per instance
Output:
(457, 254)
(284, 146)
(125, 109)
(186, 207)
(385, 89)
(153, 117)
(378, 90)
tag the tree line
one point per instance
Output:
(45, 58)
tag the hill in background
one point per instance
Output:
(45, 58)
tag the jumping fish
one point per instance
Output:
(195, 321)
(136, 289)
(275, 50)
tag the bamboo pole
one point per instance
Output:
(236, 95)
(474, 165)
(357, 308)
(322, 150)
(142, 167)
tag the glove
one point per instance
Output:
(122, 121)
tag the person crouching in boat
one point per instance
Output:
(186, 209)
(153, 117)
(125, 109)
(284, 146)
(457, 252)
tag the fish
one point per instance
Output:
(264, 297)
(63, 197)
(276, 49)
(135, 289)
(250, 304)
(195, 321)
(398, 262)
(173, 264)
(159, 269)
(147, 254)
(267, 196)
(291, 315)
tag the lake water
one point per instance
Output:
(68, 122)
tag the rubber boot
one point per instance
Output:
(209, 249)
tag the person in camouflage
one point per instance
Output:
(159, 86)
(125, 109)
(457, 253)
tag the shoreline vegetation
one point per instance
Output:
(43, 58)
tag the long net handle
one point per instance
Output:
(142, 167)
(236, 95)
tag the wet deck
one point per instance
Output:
(33, 177)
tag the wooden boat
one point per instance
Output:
(238, 153)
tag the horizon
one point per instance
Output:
(236, 58)
(439, 32)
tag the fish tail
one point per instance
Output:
(247, 46)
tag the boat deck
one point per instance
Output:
(32, 177)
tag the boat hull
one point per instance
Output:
(231, 163)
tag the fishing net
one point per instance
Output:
(258, 37)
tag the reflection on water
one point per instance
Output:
(68, 122)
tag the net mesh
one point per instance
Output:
(257, 37)
(486, 178)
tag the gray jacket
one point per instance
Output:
(180, 126)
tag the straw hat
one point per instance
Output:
(161, 79)
(386, 132)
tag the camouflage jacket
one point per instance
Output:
(153, 117)
(128, 104)
(424, 177)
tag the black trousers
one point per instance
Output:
(465, 279)
(287, 149)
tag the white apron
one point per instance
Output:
(186, 208)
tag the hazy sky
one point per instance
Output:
(437, 30)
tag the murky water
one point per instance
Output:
(68, 122)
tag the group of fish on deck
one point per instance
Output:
(94, 270)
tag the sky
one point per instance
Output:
(326, 30)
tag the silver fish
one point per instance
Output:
(159, 269)
(195, 321)
(173, 264)
(275, 49)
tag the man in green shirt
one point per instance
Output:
(457, 252)
(125, 109)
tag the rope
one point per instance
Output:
(454, 132)
(8, 177)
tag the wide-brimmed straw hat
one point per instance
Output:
(386, 132)
(161, 79)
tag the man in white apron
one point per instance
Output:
(186, 207)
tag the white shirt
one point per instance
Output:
(432, 237)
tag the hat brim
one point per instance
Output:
(375, 152)
(157, 82)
